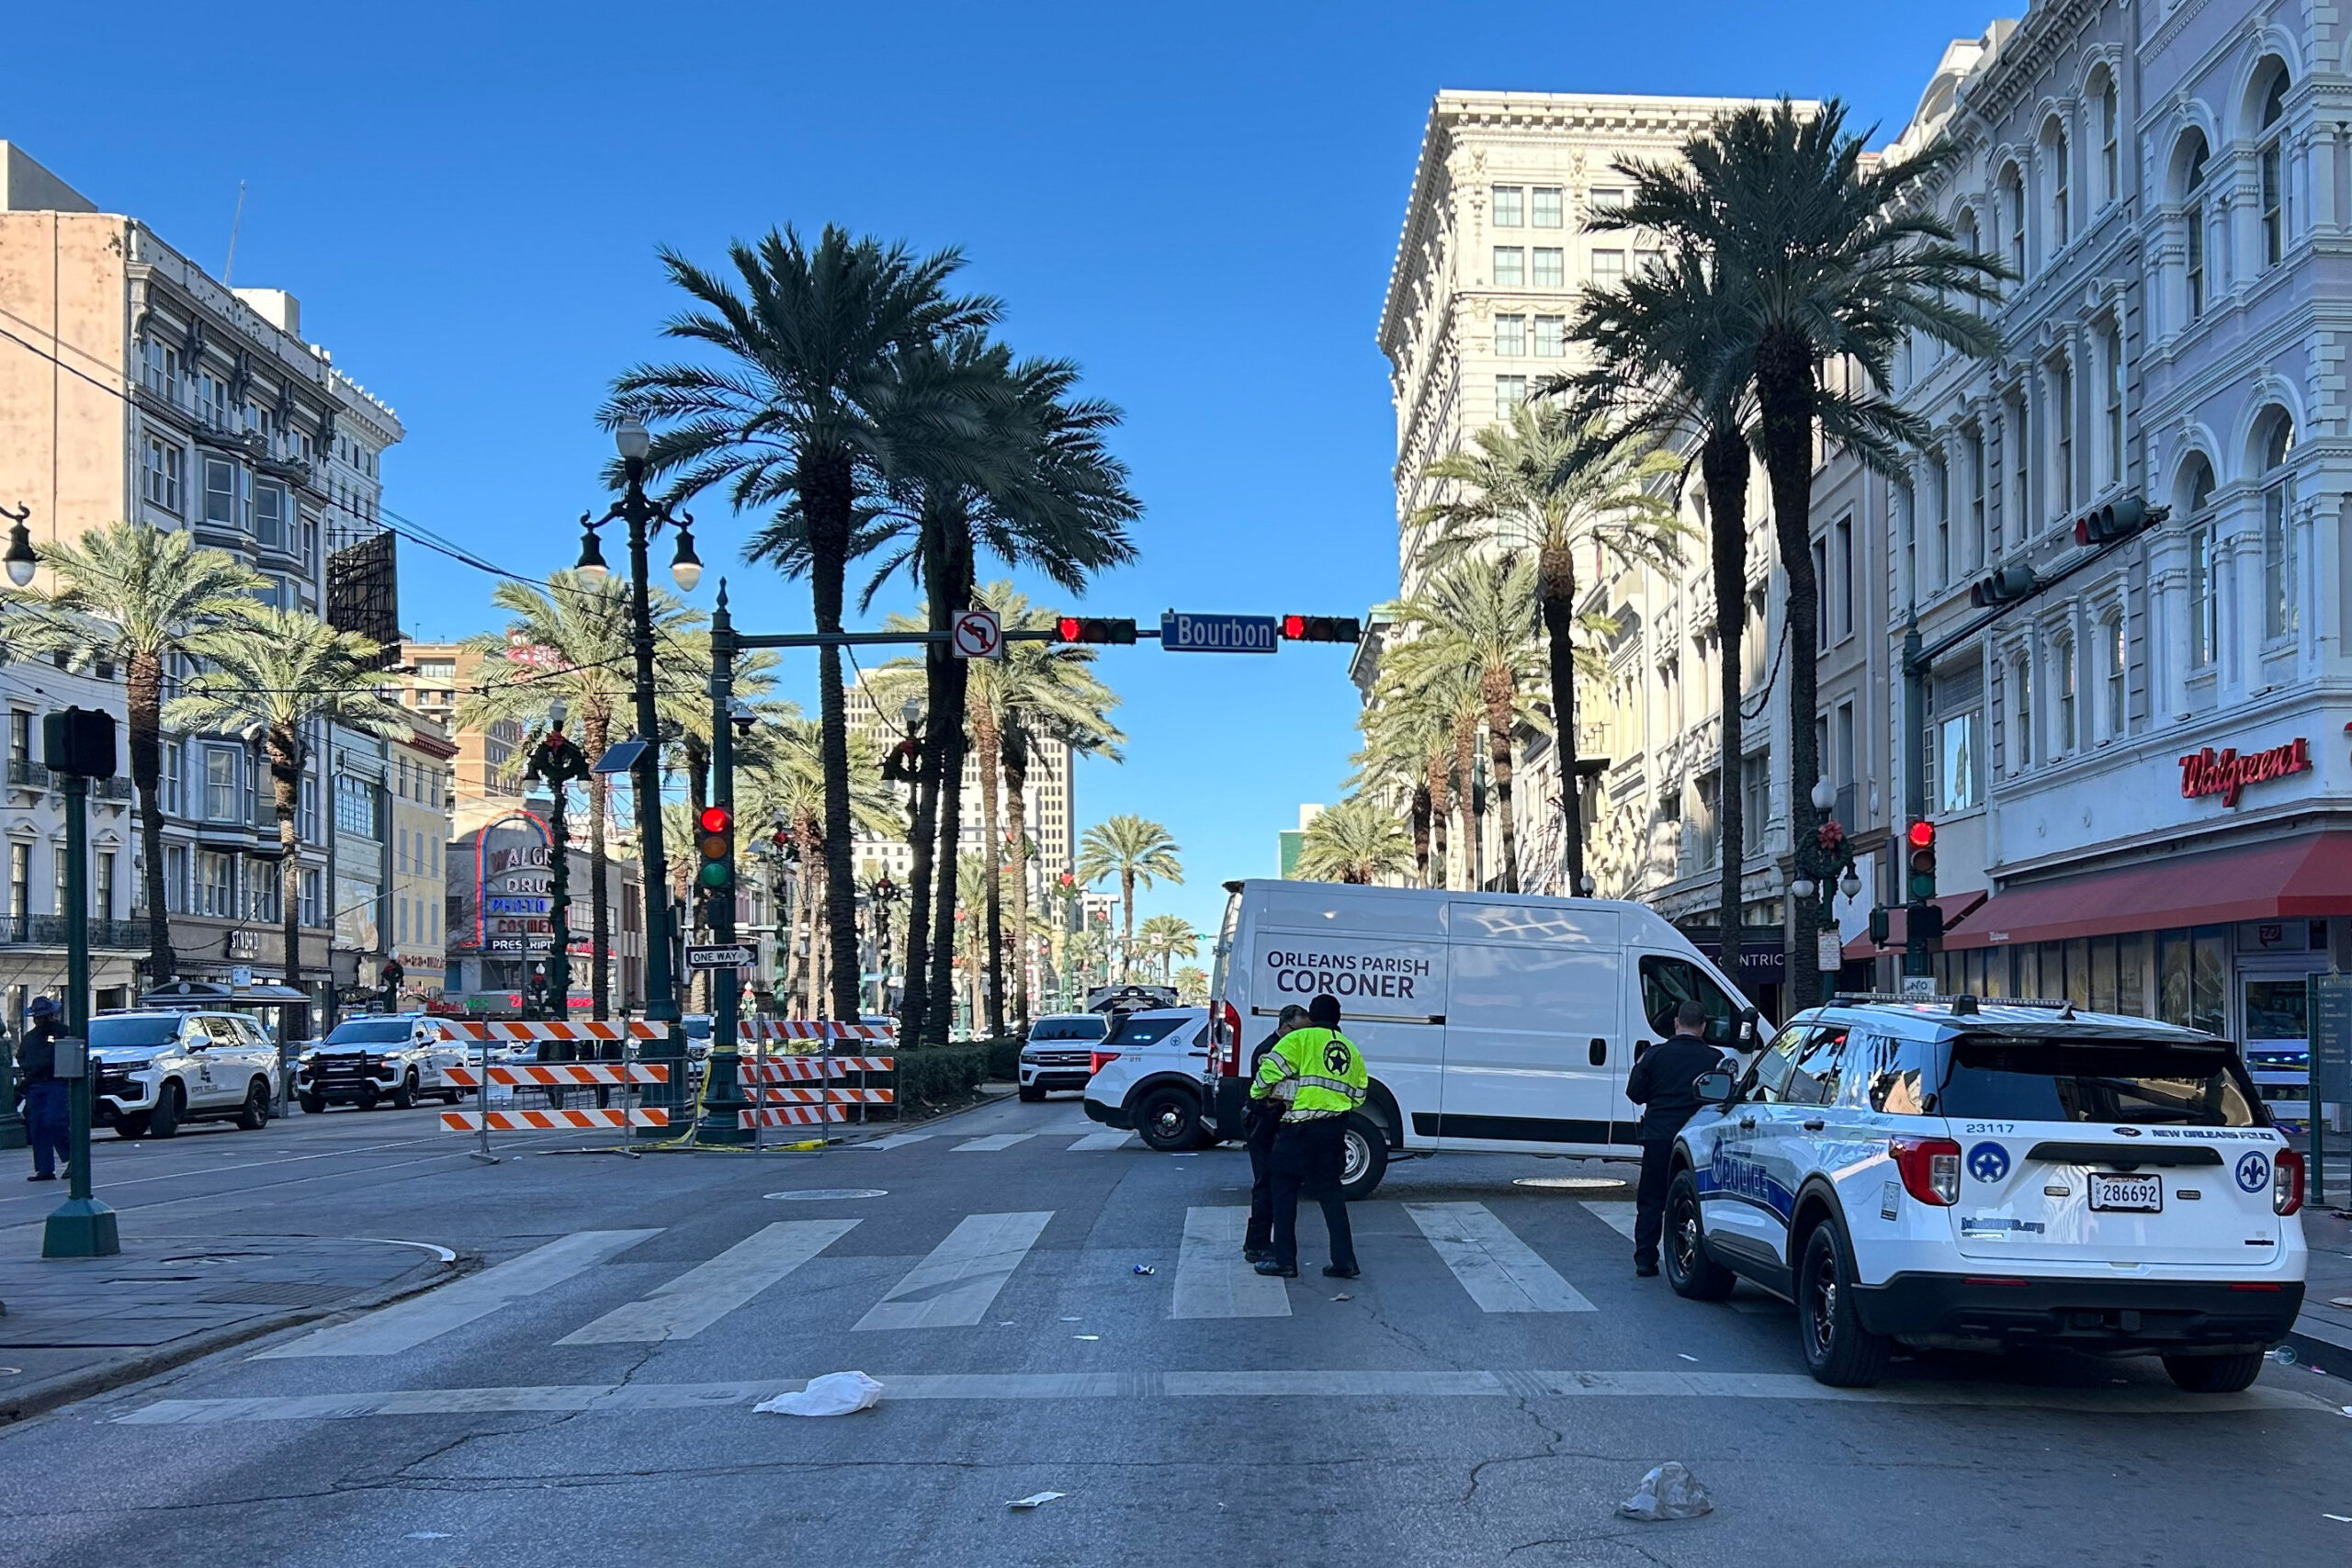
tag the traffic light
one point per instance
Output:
(1322, 629)
(1096, 629)
(1922, 838)
(2121, 521)
(2005, 586)
(715, 837)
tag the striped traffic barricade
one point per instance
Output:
(552, 1121)
(553, 1078)
(775, 1080)
(518, 1074)
(790, 1116)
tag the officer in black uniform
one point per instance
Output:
(1261, 1122)
(43, 1091)
(1662, 1084)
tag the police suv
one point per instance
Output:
(1943, 1172)
(395, 1058)
(154, 1072)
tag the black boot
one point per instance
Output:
(1275, 1270)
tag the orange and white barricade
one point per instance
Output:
(553, 1077)
(800, 1088)
(553, 1120)
(587, 1029)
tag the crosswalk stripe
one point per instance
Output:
(1618, 1217)
(955, 1285)
(1501, 1273)
(1211, 1279)
(896, 1140)
(409, 1324)
(990, 1144)
(1104, 1141)
(709, 1291)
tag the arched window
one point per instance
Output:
(2193, 214)
(2281, 615)
(2118, 673)
(2109, 115)
(2204, 605)
(2054, 154)
(2013, 218)
(2111, 353)
(2061, 680)
(2021, 711)
(2273, 170)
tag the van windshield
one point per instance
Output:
(2074, 1080)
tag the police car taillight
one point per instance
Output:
(1930, 1169)
(2286, 1182)
(1229, 1039)
(1095, 1059)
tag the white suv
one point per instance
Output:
(1060, 1053)
(395, 1058)
(1948, 1173)
(1149, 1081)
(154, 1072)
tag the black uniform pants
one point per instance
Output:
(1308, 1158)
(1260, 1132)
(1650, 1211)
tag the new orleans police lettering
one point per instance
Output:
(1318, 1071)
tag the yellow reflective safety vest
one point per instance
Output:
(1318, 1071)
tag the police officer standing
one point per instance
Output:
(1663, 1083)
(43, 1092)
(1318, 1075)
(1261, 1122)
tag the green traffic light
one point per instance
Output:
(714, 874)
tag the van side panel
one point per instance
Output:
(1534, 1010)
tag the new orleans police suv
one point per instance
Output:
(1951, 1173)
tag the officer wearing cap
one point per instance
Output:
(42, 1090)
(1317, 1076)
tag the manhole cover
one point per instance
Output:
(820, 1194)
(1571, 1183)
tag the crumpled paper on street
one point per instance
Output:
(835, 1393)
(1669, 1492)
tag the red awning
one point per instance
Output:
(1956, 907)
(2304, 878)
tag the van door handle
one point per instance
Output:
(1812, 1125)
(1748, 1123)
(1599, 1052)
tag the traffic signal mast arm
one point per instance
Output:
(2009, 597)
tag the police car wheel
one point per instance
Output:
(163, 1121)
(1364, 1158)
(2215, 1374)
(1693, 1275)
(131, 1126)
(1030, 1094)
(1168, 1121)
(253, 1115)
(405, 1096)
(1837, 1350)
(314, 1105)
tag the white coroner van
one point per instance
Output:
(1490, 1022)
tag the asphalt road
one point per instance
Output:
(1489, 1391)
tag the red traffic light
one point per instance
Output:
(1095, 628)
(716, 819)
(1294, 626)
(1322, 629)
(1923, 835)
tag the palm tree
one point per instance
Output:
(1554, 486)
(140, 598)
(1407, 750)
(1358, 841)
(1172, 937)
(1136, 851)
(780, 789)
(1478, 615)
(571, 643)
(272, 679)
(807, 404)
(1827, 260)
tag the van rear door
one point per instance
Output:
(1534, 1004)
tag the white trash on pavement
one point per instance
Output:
(1033, 1500)
(835, 1393)
(1669, 1492)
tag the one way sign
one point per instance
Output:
(738, 956)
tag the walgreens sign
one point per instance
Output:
(2227, 772)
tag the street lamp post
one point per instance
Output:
(558, 760)
(644, 516)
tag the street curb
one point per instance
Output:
(40, 1397)
(2326, 1355)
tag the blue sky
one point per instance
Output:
(1198, 202)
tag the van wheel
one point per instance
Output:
(1837, 1350)
(163, 1121)
(2215, 1374)
(1168, 1121)
(1363, 1158)
(253, 1114)
(405, 1096)
(1695, 1275)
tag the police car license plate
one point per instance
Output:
(2131, 1194)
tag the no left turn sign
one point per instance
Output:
(978, 635)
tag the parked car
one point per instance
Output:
(395, 1058)
(1060, 1053)
(153, 1072)
(1149, 1077)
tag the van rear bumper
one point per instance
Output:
(2088, 1314)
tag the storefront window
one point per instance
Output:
(2131, 975)
(2078, 973)
(2173, 976)
(2208, 1002)
(2274, 1008)
(2025, 973)
(2102, 976)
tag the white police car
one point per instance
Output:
(1951, 1173)
(154, 1072)
(379, 1059)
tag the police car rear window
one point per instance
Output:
(1133, 1030)
(1067, 1029)
(2044, 1080)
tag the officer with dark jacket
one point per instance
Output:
(43, 1092)
(1663, 1084)
(1261, 1122)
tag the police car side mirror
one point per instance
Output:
(1712, 1088)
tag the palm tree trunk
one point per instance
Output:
(828, 498)
(821, 953)
(1016, 812)
(1466, 772)
(1497, 689)
(1441, 791)
(787, 980)
(1723, 469)
(143, 680)
(596, 732)
(947, 741)
(1556, 592)
(286, 788)
(1127, 923)
(914, 996)
(1784, 395)
(986, 739)
(1421, 833)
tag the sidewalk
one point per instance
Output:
(73, 1327)
(2322, 1336)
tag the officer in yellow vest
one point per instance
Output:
(1317, 1074)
